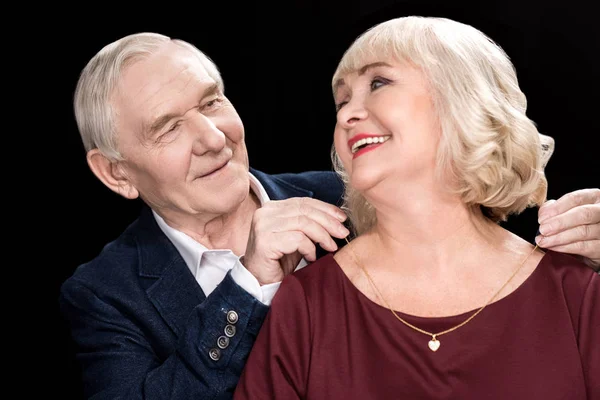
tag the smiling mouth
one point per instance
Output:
(367, 142)
(216, 170)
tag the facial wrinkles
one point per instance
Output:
(167, 97)
(179, 85)
(148, 85)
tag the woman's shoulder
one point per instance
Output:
(571, 272)
(578, 286)
(317, 279)
(323, 268)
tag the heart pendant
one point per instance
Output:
(434, 344)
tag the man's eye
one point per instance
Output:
(172, 128)
(167, 133)
(212, 103)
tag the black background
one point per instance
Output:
(277, 62)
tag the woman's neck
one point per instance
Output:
(430, 255)
(432, 233)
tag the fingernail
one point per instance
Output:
(544, 213)
(344, 231)
(341, 216)
(545, 229)
(539, 239)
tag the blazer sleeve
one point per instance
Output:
(120, 360)
(278, 365)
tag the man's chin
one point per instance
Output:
(228, 195)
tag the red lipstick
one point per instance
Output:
(366, 149)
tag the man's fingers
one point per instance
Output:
(305, 206)
(581, 215)
(580, 197)
(283, 230)
(314, 230)
(316, 219)
(290, 219)
(330, 224)
(569, 236)
(588, 249)
(291, 242)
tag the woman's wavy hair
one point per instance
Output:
(489, 149)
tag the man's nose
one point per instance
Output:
(208, 137)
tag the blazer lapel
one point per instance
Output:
(169, 284)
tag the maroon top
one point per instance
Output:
(324, 339)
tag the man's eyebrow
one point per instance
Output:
(361, 71)
(210, 90)
(162, 120)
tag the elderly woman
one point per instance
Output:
(433, 298)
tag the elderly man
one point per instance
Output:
(171, 308)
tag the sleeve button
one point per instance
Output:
(232, 317)
(214, 354)
(223, 342)
(230, 331)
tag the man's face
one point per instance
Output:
(181, 138)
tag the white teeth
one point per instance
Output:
(369, 140)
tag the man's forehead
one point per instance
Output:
(162, 83)
(174, 66)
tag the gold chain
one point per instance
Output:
(434, 343)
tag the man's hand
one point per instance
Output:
(571, 224)
(284, 231)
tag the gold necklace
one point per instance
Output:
(434, 343)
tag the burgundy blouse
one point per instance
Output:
(324, 339)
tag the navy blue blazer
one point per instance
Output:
(142, 326)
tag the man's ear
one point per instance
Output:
(111, 173)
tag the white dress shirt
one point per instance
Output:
(209, 267)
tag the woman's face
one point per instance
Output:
(387, 131)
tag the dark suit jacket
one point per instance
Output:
(141, 323)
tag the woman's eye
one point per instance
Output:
(376, 83)
(338, 106)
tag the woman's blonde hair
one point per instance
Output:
(492, 151)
